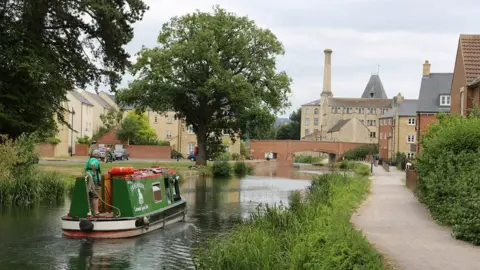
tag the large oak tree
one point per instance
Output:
(215, 70)
(49, 46)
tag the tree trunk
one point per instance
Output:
(202, 146)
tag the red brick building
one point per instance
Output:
(434, 97)
(465, 89)
(385, 138)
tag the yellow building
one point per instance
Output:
(328, 117)
(167, 128)
(397, 129)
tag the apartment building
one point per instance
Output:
(397, 129)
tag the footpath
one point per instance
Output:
(400, 227)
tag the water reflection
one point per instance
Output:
(31, 239)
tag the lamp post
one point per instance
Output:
(71, 134)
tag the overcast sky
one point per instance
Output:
(398, 35)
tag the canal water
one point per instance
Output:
(32, 239)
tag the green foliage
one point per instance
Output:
(308, 159)
(244, 151)
(221, 168)
(175, 153)
(47, 47)
(291, 131)
(215, 70)
(135, 129)
(112, 118)
(311, 233)
(448, 174)
(53, 140)
(361, 152)
(84, 140)
(99, 133)
(359, 168)
(21, 182)
(235, 156)
(241, 168)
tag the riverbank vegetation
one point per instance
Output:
(448, 174)
(21, 182)
(360, 152)
(309, 159)
(223, 168)
(313, 232)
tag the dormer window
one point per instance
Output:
(445, 100)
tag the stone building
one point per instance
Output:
(345, 119)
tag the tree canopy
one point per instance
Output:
(49, 47)
(135, 129)
(215, 70)
(291, 131)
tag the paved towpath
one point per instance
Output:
(399, 226)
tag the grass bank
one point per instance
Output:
(309, 159)
(313, 232)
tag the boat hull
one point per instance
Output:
(120, 227)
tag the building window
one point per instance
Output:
(347, 110)
(307, 111)
(445, 100)
(169, 134)
(390, 121)
(335, 110)
(190, 130)
(373, 134)
(227, 148)
(191, 147)
(155, 119)
(371, 122)
(170, 120)
(411, 138)
(315, 111)
(361, 110)
(315, 121)
(410, 155)
(307, 131)
(384, 110)
(372, 110)
(307, 121)
(411, 121)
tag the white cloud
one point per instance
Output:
(397, 35)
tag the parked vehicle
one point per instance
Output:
(121, 154)
(192, 157)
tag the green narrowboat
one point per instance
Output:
(131, 203)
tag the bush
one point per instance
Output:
(175, 153)
(311, 233)
(242, 168)
(221, 168)
(307, 159)
(84, 140)
(21, 182)
(361, 152)
(244, 151)
(448, 174)
(235, 156)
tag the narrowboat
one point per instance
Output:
(132, 202)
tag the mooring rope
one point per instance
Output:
(90, 178)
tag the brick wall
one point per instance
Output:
(423, 121)
(149, 151)
(411, 178)
(109, 138)
(81, 150)
(46, 149)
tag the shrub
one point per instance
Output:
(242, 168)
(448, 174)
(84, 140)
(175, 153)
(235, 156)
(244, 151)
(312, 233)
(361, 152)
(21, 182)
(221, 168)
(307, 159)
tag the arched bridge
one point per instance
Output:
(286, 148)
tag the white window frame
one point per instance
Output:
(445, 100)
(315, 111)
(410, 155)
(191, 147)
(169, 134)
(307, 111)
(412, 121)
(307, 131)
(373, 133)
(190, 130)
(411, 138)
(315, 121)
(307, 121)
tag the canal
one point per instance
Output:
(32, 239)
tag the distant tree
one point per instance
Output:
(112, 118)
(48, 47)
(215, 70)
(291, 131)
(135, 129)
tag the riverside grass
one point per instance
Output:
(312, 233)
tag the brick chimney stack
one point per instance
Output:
(426, 69)
(327, 73)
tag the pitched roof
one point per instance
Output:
(81, 98)
(430, 90)
(312, 103)
(338, 125)
(99, 100)
(470, 49)
(407, 107)
(361, 102)
(374, 88)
